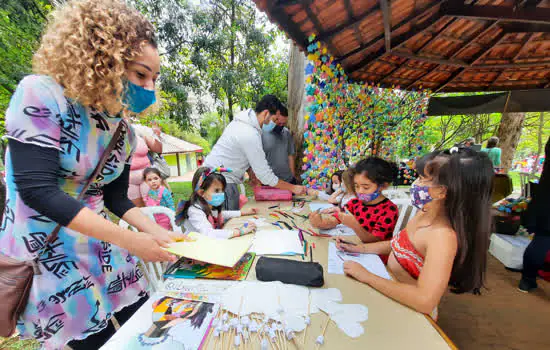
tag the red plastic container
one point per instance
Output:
(267, 193)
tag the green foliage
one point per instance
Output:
(211, 127)
(445, 131)
(528, 143)
(171, 127)
(21, 22)
(219, 48)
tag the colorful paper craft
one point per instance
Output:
(224, 252)
(187, 268)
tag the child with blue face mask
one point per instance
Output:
(203, 212)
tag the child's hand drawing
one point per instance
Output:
(355, 270)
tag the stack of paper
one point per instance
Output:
(277, 242)
(371, 262)
(224, 252)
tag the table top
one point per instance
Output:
(390, 325)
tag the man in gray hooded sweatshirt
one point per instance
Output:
(240, 148)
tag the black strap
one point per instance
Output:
(116, 136)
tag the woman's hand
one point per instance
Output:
(251, 211)
(165, 237)
(346, 247)
(355, 270)
(147, 247)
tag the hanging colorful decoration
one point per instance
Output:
(347, 121)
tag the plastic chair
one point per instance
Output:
(406, 212)
(154, 271)
(151, 211)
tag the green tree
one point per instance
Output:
(211, 127)
(230, 50)
(21, 24)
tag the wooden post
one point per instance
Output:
(178, 163)
(509, 133)
(296, 88)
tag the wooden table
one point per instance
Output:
(390, 325)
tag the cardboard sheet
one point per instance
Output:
(226, 252)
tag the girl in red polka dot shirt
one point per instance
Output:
(371, 215)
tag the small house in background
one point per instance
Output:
(180, 155)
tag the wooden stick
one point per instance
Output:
(209, 336)
(308, 311)
(324, 330)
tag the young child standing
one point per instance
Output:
(446, 243)
(158, 195)
(203, 211)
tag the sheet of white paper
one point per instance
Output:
(261, 222)
(273, 299)
(190, 288)
(319, 298)
(277, 242)
(348, 317)
(321, 206)
(371, 262)
(340, 230)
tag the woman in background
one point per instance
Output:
(493, 152)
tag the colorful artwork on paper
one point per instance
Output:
(347, 121)
(188, 268)
(176, 324)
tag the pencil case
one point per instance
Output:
(266, 193)
(309, 274)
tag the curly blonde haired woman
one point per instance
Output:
(97, 61)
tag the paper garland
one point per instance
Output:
(347, 121)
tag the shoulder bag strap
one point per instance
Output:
(116, 136)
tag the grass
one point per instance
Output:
(514, 175)
(183, 190)
(14, 343)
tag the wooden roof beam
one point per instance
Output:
(477, 56)
(398, 41)
(489, 12)
(525, 27)
(422, 12)
(385, 8)
(287, 24)
(469, 42)
(317, 24)
(351, 24)
(349, 10)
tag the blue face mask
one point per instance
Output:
(217, 199)
(269, 127)
(138, 98)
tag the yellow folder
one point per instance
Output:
(224, 252)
